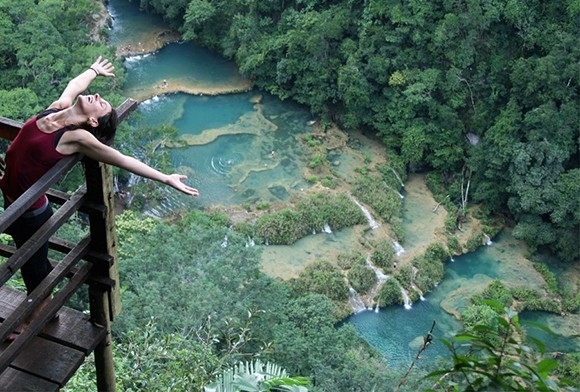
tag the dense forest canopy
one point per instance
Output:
(479, 90)
(430, 78)
(485, 91)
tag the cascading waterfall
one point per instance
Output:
(394, 190)
(488, 241)
(356, 301)
(398, 177)
(417, 289)
(381, 277)
(406, 298)
(326, 229)
(398, 248)
(373, 223)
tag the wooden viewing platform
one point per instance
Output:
(48, 353)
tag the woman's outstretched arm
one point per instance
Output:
(101, 67)
(81, 141)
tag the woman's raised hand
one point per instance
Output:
(175, 180)
(103, 67)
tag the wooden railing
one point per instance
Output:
(32, 361)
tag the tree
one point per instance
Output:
(498, 356)
(257, 377)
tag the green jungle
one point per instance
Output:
(482, 95)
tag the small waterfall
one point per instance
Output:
(417, 289)
(381, 277)
(377, 307)
(373, 223)
(488, 241)
(394, 190)
(224, 244)
(250, 242)
(398, 177)
(406, 298)
(398, 248)
(326, 229)
(356, 301)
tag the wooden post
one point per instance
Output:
(105, 304)
(104, 362)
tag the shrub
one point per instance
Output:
(383, 255)
(321, 277)
(390, 293)
(281, 228)
(347, 261)
(362, 278)
(372, 191)
(338, 211)
(495, 355)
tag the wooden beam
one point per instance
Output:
(9, 128)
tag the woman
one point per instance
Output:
(66, 127)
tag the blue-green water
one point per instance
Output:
(397, 332)
(230, 161)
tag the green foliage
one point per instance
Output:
(454, 245)
(312, 213)
(336, 210)
(321, 277)
(390, 293)
(495, 291)
(257, 377)
(427, 272)
(205, 219)
(263, 205)
(312, 179)
(548, 276)
(130, 225)
(371, 190)
(531, 299)
(569, 368)
(316, 161)
(362, 278)
(147, 359)
(308, 342)
(383, 255)
(495, 355)
(474, 241)
(282, 227)
(349, 260)
(329, 182)
(188, 272)
(436, 252)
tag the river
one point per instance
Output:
(242, 148)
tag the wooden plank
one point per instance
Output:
(48, 360)
(15, 380)
(28, 198)
(40, 293)
(39, 238)
(73, 328)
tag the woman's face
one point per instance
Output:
(94, 106)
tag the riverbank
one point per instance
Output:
(173, 86)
